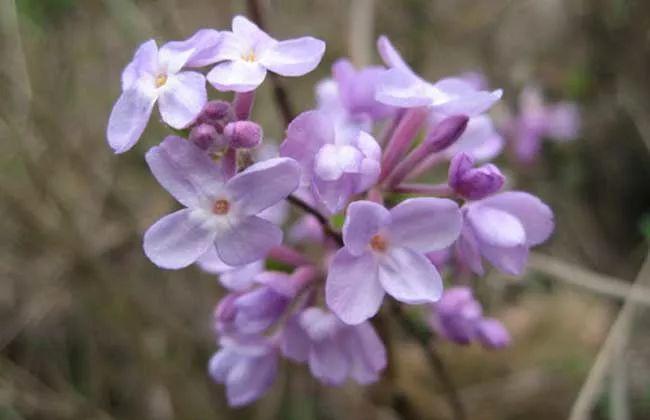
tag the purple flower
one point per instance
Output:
(247, 53)
(502, 228)
(155, 75)
(335, 163)
(401, 87)
(335, 351)
(537, 120)
(458, 317)
(247, 366)
(219, 212)
(384, 253)
(473, 183)
(254, 311)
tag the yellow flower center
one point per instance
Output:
(161, 79)
(221, 207)
(378, 243)
(250, 56)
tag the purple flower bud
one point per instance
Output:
(216, 113)
(456, 314)
(492, 334)
(473, 183)
(205, 136)
(243, 134)
(225, 311)
(446, 132)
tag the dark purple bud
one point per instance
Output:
(205, 136)
(492, 334)
(243, 134)
(216, 113)
(446, 132)
(473, 183)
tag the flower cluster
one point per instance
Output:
(355, 158)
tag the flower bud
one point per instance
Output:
(216, 113)
(446, 132)
(456, 314)
(473, 183)
(243, 134)
(492, 334)
(205, 136)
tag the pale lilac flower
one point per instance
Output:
(247, 53)
(254, 311)
(247, 366)
(307, 229)
(155, 76)
(401, 87)
(219, 212)
(501, 228)
(536, 121)
(384, 253)
(335, 351)
(238, 278)
(202, 47)
(458, 317)
(335, 163)
(473, 183)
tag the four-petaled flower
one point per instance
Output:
(221, 213)
(247, 53)
(155, 75)
(384, 253)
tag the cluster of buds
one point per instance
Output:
(356, 157)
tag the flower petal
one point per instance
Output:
(177, 240)
(204, 46)
(366, 352)
(409, 276)
(182, 98)
(185, 171)
(248, 380)
(480, 140)
(332, 161)
(264, 184)
(389, 54)
(535, 216)
(363, 220)
(467, 251)
(328, 363)
(294, 57)
(130, 116)
(399, 88)
(237, 76)
(306, 134)
(247, 241)
(425, 224)
(510, 260)
(295, 341)
(145, 61)
(244, 29)
(495, 227)
(352, 290)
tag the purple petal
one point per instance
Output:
(492, 334)
(458, 97)
(535, 216)
(563, 121)
(294, 57)
(480, 140)
(510, 260)
(204, 46)
(264, 184)
(233, 278)
(352, 290)
(295, 341)
(182, 98)
(247, 381)
(401, 89)
(221, 363)
(247, 241)
(328, 362)
(363, 220)
(211, 263)
(306, 134)
(185, 171)
(495, 227)
(177, 240)
(246, 30)
(409, 276)
(145, 61)
(237, 76)
(366, 351)
(332, 161)
(130, 116)
(425, 224)
(334, 195)
(467, 251)
(390, 55)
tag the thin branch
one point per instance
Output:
(321, 219)
(424, 337)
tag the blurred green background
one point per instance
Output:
(90, 329)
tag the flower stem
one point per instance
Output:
(336, 236)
